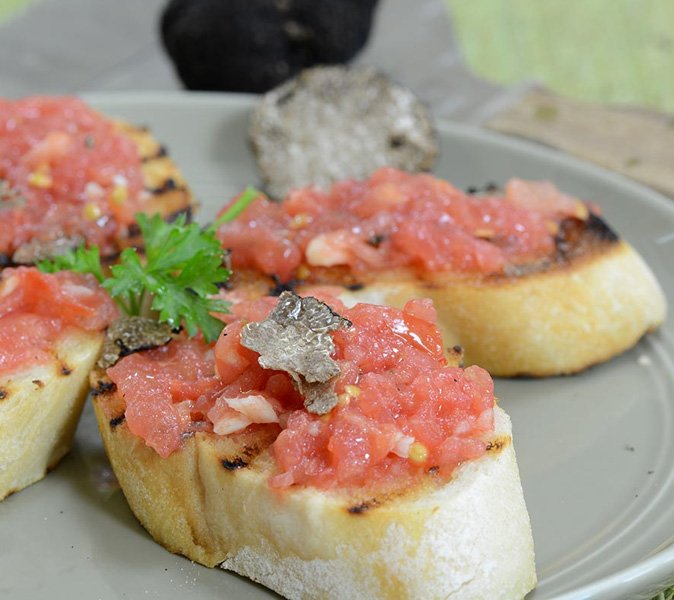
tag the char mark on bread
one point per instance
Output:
(4, 394)
(161, 152)
(498, 444)
(601, 229)
(167, 185)
(577, 238)
(243, 457)
(65, 370)
(489, 188)
(362, 507)
(118, 420)
(279, 286)
(103, 387)
(187, 211)
(455, 355)
(134, 230)
(234, 464)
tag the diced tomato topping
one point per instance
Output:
(258, 236)
(403, 389)
(36, 307)
(543, 196)
(401, 409)
(396, 219)
(232, 359)
(66, 171)
(25, 340)
(163, 387)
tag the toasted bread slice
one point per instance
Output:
(558, 321)
(582, 307)
(578, 297)
(468, 537)
(169, 193)
(166, 193)
(40, 407)
(551, 321)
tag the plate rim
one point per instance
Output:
(443, 124)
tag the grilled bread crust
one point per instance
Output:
(555, 322)
(468, 537)
(165, 193)
(40, 407)
(169, 192)
(592, 300)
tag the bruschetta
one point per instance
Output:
(528, 280)
(69, 175)
(51, 332)
(324, 452)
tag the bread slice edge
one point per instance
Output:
(40, 409)
(210, 501)
(558, 321)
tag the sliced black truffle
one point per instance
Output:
(10, 197)
(38, 249)
(132, 334)
(335, 123)
(295, 338)
(253, 45)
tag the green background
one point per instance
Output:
(9, 7)
(617, 51)
(614, 51)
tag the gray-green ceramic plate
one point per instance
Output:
(596, 451)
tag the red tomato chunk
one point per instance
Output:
(166, 389)
(401, 411)
(35, 308)
(66, 171)
(396, 219)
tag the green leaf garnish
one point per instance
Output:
(242, 202)
(80, 260)
(182, 269)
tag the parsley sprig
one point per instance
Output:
(182, 268)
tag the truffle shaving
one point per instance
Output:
(132, 334)
(295, 338)
(38, 249)
(334, 123)
(10, 197)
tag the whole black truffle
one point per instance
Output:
(253, 45)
